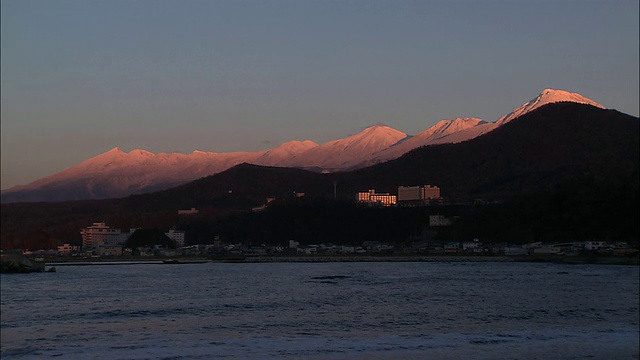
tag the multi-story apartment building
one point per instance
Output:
(177, 236)
(430, 192)
(409, 193)
(418, 193)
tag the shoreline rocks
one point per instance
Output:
(18, 263)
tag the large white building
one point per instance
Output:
(99, 234)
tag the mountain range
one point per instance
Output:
(116, 173)
(562, 171)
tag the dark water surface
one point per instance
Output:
(323, 311)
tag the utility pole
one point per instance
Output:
(335, 193)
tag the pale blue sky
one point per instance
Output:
(81, 77)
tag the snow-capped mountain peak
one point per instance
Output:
(350, 151)
(115, 150)
(547, 96)
(295, 146)
(445, 131)
(284, 153)
(140, 153)
(373, 137)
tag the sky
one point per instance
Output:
(80, 77)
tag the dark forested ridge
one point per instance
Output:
(539, 151)
(565, 170)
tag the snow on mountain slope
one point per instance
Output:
(465, 134)
(282, 155)
(116, 173)
(125, 173)
(441, 130)
(459, 130)
(445, 131)
(547, 96)
(344, 153)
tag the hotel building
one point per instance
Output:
(418, 193)
(99, 234)
(177, 236)
(372, 197)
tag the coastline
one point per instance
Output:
(375, 258)
(577, 260)
(603, 260)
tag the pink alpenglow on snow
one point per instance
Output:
(118, 173)
(283, 154)
(350, 151)
(548, 96)
(445, 131)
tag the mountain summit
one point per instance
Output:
(284, 153)
(548, 96)
(350, 151)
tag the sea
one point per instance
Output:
(339, 310)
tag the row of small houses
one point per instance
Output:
(375, 247)
(465, 247)
(571, 248)
(535, 248)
